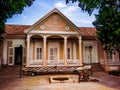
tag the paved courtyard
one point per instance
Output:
(9, 80)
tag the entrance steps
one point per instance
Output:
(96, 67)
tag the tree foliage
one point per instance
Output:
(108, 26)
(10, 7)
(107, 21)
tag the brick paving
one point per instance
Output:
(9, 80)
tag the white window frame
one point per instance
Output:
(53, 45)
(39, 53)
(38, 45)
(69, 47)
(12, 55)
(111, 58)
(24, 55)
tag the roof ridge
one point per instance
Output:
(86, 27)
(17, 25)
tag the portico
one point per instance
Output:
(53, 50)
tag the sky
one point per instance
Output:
(41, 7)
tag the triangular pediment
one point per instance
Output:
(54, 21)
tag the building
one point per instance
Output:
(54, 41)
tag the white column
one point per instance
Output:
(28, 51)
(105, 58)
(65, 51)
(80, 51)
(44, 50)
(5, 53)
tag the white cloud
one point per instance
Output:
(60, 5)
(41, 7)
(74, 13)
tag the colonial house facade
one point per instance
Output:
(54, 41)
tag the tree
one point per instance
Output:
(107, 21)
(10, 7)
(108, 27)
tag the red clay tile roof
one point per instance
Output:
(15, 29)
(19, 29)
(88, 31)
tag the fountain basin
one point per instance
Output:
(60, 79)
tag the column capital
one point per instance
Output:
(28, 39)
(65, 38)
(44, 36)
(80, 38)
(28, 36)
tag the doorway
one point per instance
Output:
(17, 56)
(53, 55)
(87, 55)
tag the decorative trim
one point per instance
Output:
(42, 27)
(67, 28)
(52, 32)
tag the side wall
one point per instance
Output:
(9, 50)
(1, 53)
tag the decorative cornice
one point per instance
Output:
(53, 32)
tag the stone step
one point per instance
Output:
(97, 67)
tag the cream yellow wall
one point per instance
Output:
(54, 22)
(47, 51)
(77, 52)
(72, 51)
(33, 50)
(61, 50)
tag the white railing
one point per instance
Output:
(36, 62)
(61, 63)
(54, 63)
(113, 62)
(51, 63)
(110, 62)
(102, 61)
(73, 62)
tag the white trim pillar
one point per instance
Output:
(65, 51)
(44, 50)
(80, 51)
(28, 51)
(5, 52)
(105, 58)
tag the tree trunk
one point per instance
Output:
(119, 62)
(118, 51)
